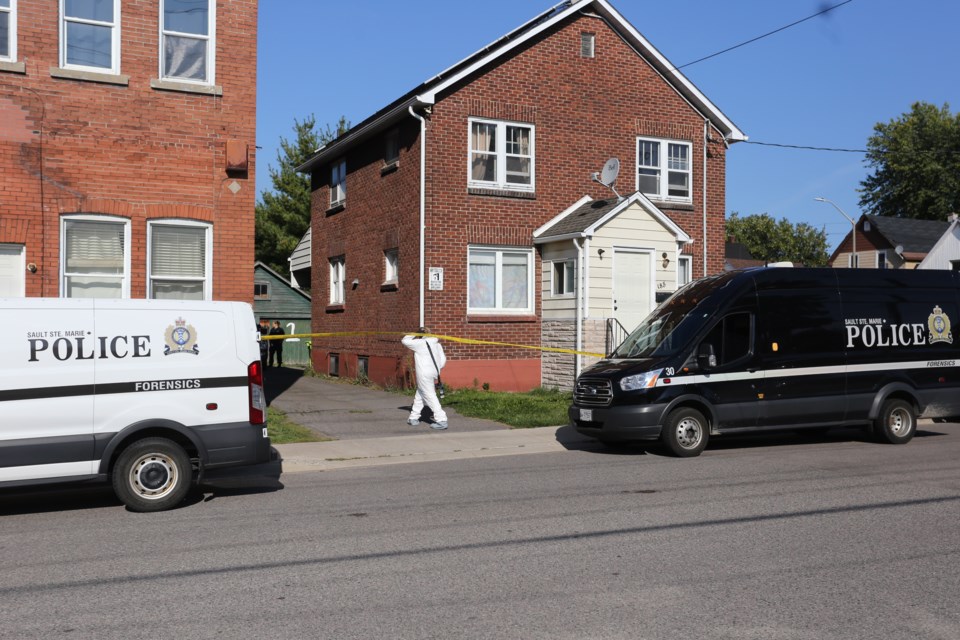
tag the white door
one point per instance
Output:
(632, 286)
(11, 271)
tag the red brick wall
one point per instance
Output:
(73, 146)
(584, 111)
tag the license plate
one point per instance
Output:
(586, 415)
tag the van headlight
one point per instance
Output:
(640, 381)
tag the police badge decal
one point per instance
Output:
(939, 325)
(180, 338)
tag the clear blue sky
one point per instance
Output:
(823, 83)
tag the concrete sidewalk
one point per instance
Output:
(370, 428)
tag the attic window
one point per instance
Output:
(261, 290)
(587, 45)
(866, 225)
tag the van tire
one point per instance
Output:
(897, 422)
(685, 433)
(152, 474)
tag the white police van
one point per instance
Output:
(152, 395)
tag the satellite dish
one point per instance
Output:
(609, 175)
(610, 172)
(899, 250)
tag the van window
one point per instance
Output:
(732, 338)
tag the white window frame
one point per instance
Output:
(501, 182)
(207, 255)
(391, 266)
(338, 277)
(569, 267)
(11, 33)
(338, 183)
(664, 168)
(687, 260)
(498, 308)
(114, 67)
(210, 38)
(881, 259)
(124, 278)
(853, 260)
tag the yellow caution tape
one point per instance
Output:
(338, 334)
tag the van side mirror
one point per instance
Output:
(706, 357)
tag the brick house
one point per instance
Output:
(461, 206)
(127, 136)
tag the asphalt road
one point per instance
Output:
(773, 538)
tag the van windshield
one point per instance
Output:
(671, 325)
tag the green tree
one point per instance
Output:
(916, 165)
(773, 241)
(283, 213)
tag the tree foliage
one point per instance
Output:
(283, 213)
(773, 241)
(916, 165)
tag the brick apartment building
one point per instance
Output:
(127, 137)
(492, 160)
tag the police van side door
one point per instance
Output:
(802, 354)
(46, 389)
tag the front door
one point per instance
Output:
(11, 271)
(632, 286)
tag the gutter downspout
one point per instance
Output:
(705, 134)
(581, 281)
(423, 205)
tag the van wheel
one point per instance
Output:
(152, 474)
(897, 422)
(686, 432)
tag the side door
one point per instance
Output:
(801, 348)
(733, 385)
(633, 286)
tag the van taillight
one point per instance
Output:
(258, 401)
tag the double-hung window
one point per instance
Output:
(179, 259)
(501, 155)
(95, 257)
(664, 169)
(187, 40)
(337, 277)
(8, 30)
(338, 183)
(500, 280)
(90, 35)
(684, 270)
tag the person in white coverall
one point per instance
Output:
(427, 374)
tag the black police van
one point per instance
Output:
(781, 348)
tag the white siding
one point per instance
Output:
(946, 250)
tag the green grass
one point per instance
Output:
(537, 408)
(282, 430)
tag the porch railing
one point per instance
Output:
(616, 334)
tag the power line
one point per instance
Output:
(792, 24)
(798, 146)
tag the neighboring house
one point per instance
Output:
(275, 299)
(300, 263)
(888, 243)
(458, 205)
(127, 138)
(737, 256)
(945, 254)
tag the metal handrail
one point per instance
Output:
(615, 335)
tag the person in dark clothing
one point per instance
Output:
(276, 346)
(264, 328)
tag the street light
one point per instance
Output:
(854, 262)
